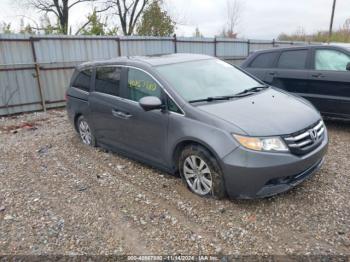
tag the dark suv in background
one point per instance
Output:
(317, 73)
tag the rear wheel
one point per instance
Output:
(201, 173)
(85, 132)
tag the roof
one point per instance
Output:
(153, 60)
(299, 47)
(157, 60)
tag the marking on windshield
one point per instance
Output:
(137, 84)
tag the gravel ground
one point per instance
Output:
(58, 196)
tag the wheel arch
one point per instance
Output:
(76, 117)
(184, 143)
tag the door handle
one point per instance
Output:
(272, 73)
(121, 114)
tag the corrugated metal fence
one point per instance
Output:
(35, 71)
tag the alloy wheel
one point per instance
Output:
(197, 175)
(85, 132)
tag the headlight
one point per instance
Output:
(271, 144)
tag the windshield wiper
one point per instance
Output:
(212, 98)
(245, 92)
(252, 90)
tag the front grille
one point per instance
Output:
(306, 140)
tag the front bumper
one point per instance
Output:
(250, 174)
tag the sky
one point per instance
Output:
(259, 19)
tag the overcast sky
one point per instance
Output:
(260, 19)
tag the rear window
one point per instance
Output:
(264, 60)
(82, 81)
(293, 59)
(108, 80)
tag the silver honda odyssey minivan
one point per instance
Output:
(225, 132)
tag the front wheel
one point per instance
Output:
(85, 132)
(201, 172)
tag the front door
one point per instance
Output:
(145, 133)
(330, 82)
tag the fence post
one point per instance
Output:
(37, 72)
(175, 43)
(215, 47)
(248, 48)
(119, 47)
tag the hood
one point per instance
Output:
(267, 113)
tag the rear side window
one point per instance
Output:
(293, 59)
(140, 85)
(108, 80)
(82, 81)
(264, 60)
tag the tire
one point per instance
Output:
(85, 132)
(204, 168)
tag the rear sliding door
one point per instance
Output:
(261, 64)
(291, 71)
(105, 105)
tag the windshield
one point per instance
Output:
(206, 78)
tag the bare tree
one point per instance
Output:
(60, 8)
(346, 26)
(179, 13)
(234, 9)
(129, 12)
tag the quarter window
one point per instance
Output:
(108, 80)
(293, 59)
(264, 60)
(331, 60)
(82, 81)
(172, 107)
(140, 85)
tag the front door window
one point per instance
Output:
(332, 60)
(140, 85)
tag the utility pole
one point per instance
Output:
(332, 19)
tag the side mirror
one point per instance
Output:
(348, 67)
(149, 103)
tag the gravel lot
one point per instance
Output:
(58, 196)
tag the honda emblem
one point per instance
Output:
(313, 134)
